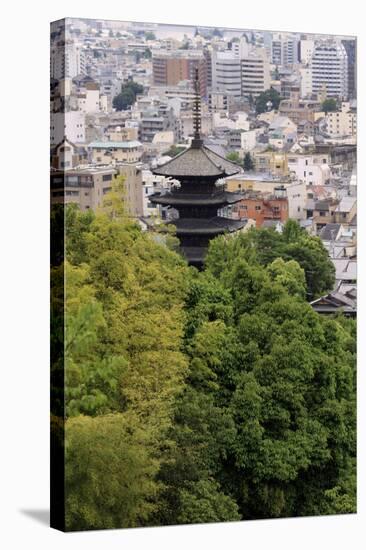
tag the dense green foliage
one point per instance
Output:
(127, 95)
(269, 408)
(329, 105)
(202, 396)
(269, 95)
(233, 156)
(262, 246)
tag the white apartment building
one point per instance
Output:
(226, 72)
(329, 68)
(309, 169)
(306, 51)
(306, 82)
(249, 140)
(70, 124)
(255, 73)
(284, 49)
(67, 60)
(342, 123)
(297, 197)
(91, 101)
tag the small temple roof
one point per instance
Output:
(198, 161)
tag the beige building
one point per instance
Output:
(255, 182)
(87, 186)
(342, 123)
(133, 188)
(119, 133)
(83, 186)
(255, 73)
(346, 210)
(110, 152)
(298, 109)
(273, 162)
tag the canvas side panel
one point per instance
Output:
(57, 226)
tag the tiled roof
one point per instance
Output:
(196, 199)
(330, 231)
(198, 161)
(203, 226)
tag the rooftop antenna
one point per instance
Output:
(197, 141)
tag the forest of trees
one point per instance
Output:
(206, 396)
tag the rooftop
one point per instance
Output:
(330, 231)
(198, 161)
(114, 144)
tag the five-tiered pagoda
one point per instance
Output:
(199, 197)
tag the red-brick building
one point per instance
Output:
(261, 207)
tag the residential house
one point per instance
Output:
(110, 152)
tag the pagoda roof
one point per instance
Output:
(196, 199)
(198, 161)
(207, 226)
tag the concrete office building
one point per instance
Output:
(329, 68)
(255, 73)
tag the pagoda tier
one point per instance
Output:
(199, 161)
(206, 226)
(198, 198)
(177, 199)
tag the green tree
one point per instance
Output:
(329, 105)
(263, 98)
(123, 363)
(233, 156)
(149, 35)
(248, 162)
(263, 246)
(127, 95)
(109, 473)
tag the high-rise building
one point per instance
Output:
(284, 49)
(173, 66)
(255, 73)
(67, 60)
(226, 72)
(329, 68)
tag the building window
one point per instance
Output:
(258, 208)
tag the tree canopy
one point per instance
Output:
(263, 98)
(248, 162)
(127, 95)
(329, 105)
(206, 396)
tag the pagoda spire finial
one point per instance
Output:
(197, 141)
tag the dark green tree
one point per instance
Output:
(269, 95)
(329, 105)
(248, 162)
(127, 95)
